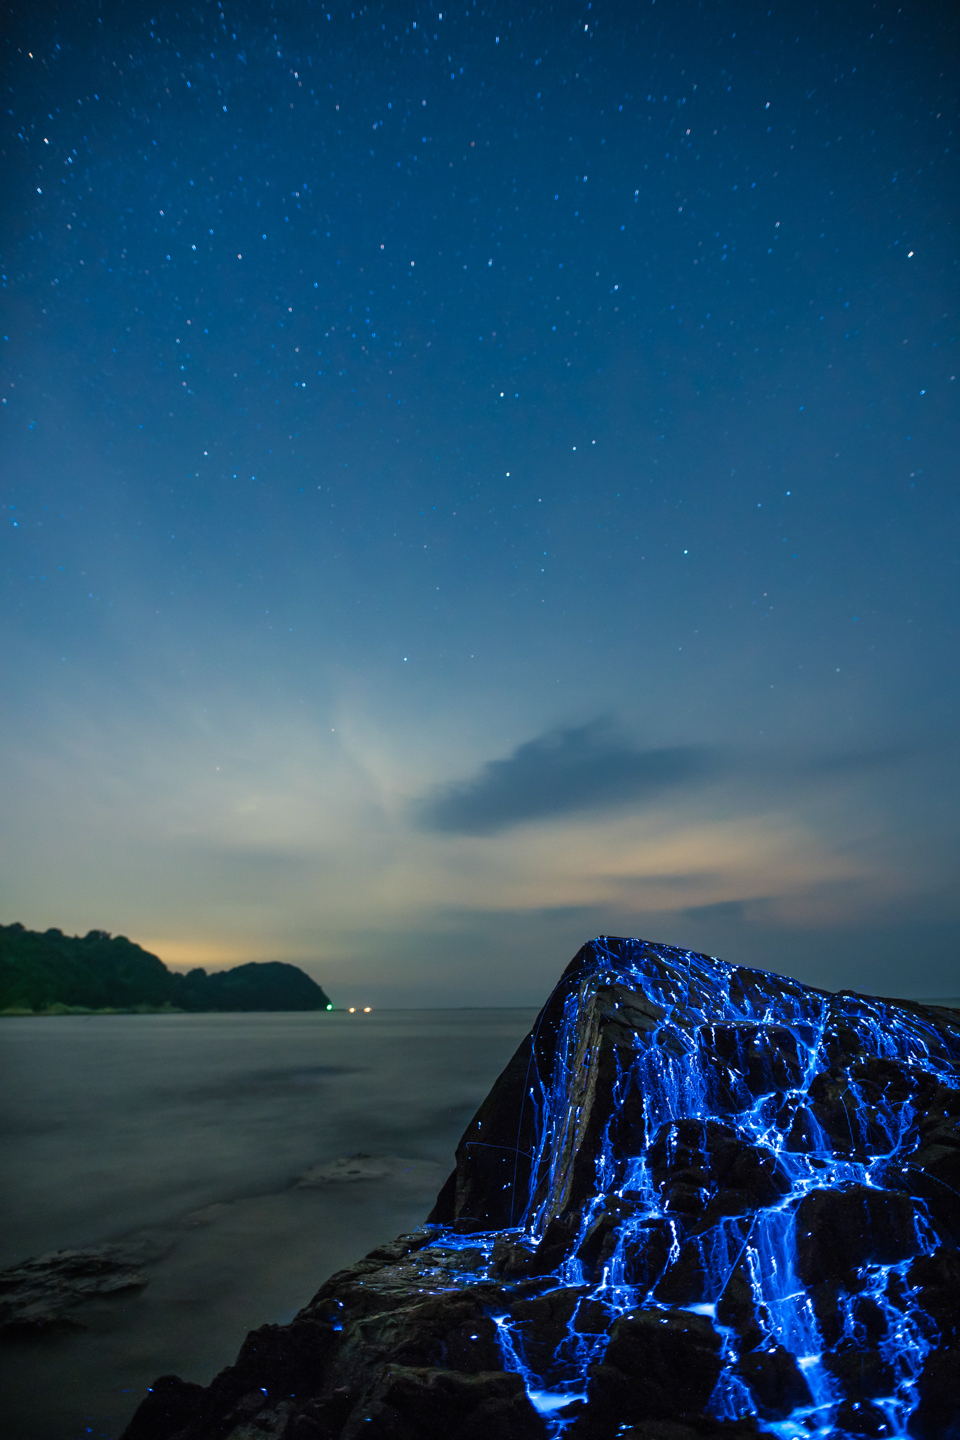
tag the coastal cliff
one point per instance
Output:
(700, 1201)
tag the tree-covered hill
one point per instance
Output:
(98, 971)
(268, 985)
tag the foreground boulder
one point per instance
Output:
(700, 1201)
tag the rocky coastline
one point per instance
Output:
(700, 1201)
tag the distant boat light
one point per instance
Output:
(353, 1009)
(367, 1009)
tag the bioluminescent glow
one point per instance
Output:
(707, 1141)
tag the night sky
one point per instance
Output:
(474, 479)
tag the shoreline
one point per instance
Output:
(57, 1010)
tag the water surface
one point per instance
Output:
(189, 1132)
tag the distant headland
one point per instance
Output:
(49, 973)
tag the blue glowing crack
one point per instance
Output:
(740, 1193)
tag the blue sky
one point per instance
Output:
(473, 483)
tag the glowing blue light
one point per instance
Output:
(546, 1401)
(709, 1034)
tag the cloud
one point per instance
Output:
(585, 767)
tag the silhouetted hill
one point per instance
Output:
(270, 985)
(98, 971)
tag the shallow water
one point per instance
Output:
(189, 1132)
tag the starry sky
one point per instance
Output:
(474, 479)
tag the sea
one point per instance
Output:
(237, 1160)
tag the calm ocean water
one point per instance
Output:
(185, 1135)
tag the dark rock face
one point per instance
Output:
(658, 1365)
(838, 1231)
(701, 1201)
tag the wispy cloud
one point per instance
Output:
(245, 832)
(586, 767)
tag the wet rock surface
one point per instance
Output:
(47, 1292)
(701, 1201)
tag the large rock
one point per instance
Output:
(700, 1200)
(775, 1382)
(842, 1230)
(658, 1365)
(425, 1404)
